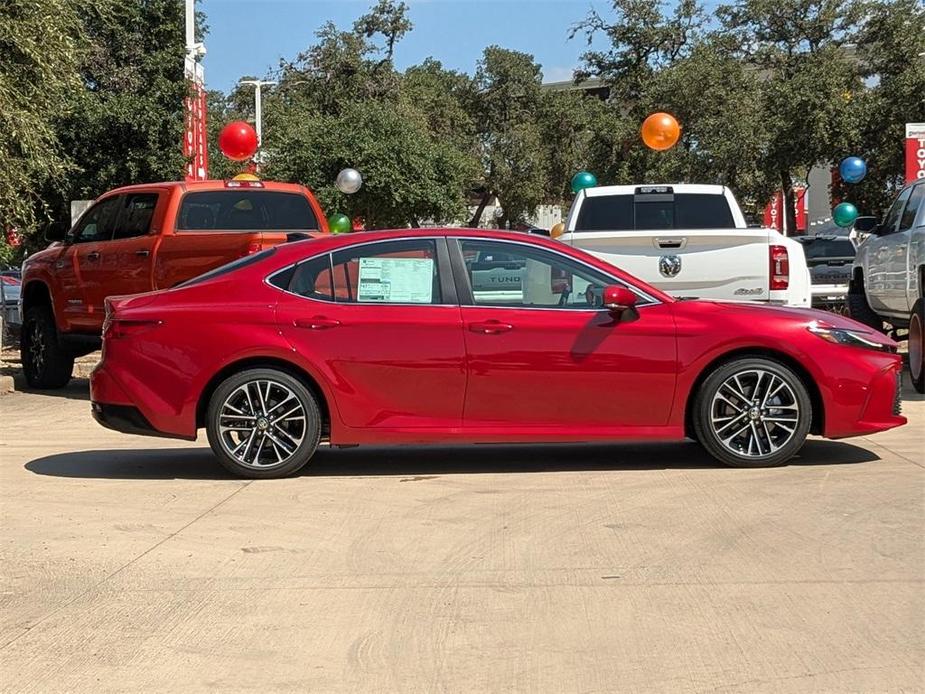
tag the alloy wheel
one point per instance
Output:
(37, 348)
(754, 413)
(262, 423)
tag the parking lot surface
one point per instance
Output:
(138, 564)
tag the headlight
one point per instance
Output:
(844, 336)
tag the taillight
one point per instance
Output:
(780, 268)
(115, 329)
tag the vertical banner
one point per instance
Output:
(195, 139)
(915, 151)
(774, 211)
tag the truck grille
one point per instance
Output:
(898, 397)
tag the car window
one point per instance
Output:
(312, 279)
(97, 223)
(135, 219)
(912, 207)
(521, 276)
(891, 220)
(389, 272)
(245, 210)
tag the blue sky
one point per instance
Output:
(250, 36)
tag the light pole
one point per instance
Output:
(258, 109)
(195, 146)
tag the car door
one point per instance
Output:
(128, 258)
(542, 354)
(381, 322)
(884, 286)
(79, 268)
(902, 300)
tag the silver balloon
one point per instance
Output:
(349, 181)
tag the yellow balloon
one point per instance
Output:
(245, 177)
(557, 230)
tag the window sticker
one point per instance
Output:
(396, 280)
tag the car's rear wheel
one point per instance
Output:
(263, 423)
(45, 363)
(916, 348)
(752, 412)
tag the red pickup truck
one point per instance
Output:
(141, 238)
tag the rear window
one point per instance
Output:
(827, 248)
(246, 210)
(654, 211)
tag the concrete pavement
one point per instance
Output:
(137, 564)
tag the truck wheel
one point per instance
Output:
(45, 363)
(752, 412)
(263, 423)
(860, 310)
(916, 350)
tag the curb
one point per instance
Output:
(6, 385)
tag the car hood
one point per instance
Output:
(803, 316)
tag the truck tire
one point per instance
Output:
(917, 345)
(860, 310)
(45, 363)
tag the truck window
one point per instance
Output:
(245, 210)
(891, 220)
(654, 211)
(136, 216)
(97, 223)
(912, 207)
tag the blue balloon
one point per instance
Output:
(852, 169)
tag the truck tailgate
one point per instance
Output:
(707, 263)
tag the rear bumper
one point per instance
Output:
(126, 419)
(827, 294)
(114, 409)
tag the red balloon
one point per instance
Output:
(238, 141)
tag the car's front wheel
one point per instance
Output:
(44, 362)
(263, 423)
(917, 345)
(752, 412)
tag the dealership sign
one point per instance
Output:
(915, 151)
(774, 210)
(194, 137)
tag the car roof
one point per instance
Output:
(210, 185)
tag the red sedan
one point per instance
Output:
(450, 335)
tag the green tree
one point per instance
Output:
(43, 43)
(890, 48)
(338, 104)
(808, 81)
(506, 105)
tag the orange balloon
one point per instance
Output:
(660, 131)
(557, 230)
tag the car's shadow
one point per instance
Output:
(77, 389)
(423, 461)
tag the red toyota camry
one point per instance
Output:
(452, 335)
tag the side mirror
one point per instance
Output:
(865, 225)
(620, 301)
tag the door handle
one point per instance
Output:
(143, 253)
(317, 323)
(93, 255)
(490, 327)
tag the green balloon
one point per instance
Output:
(844, 214)
(339, 224)
(582, 180)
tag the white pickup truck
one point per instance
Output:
(888, 275)
(690, 241)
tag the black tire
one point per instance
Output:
(917, 345)
(788, 408)
(268, 441)
(45, 363)
(859, 309)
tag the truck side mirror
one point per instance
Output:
(866, 225)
